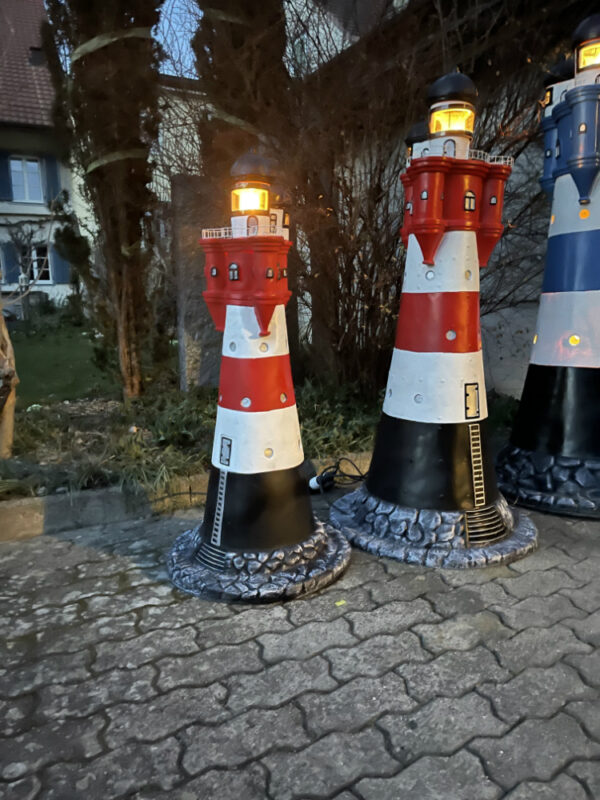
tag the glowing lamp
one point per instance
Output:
(452, 117)
(250, 197)
(588, 55)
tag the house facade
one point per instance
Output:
(31, 174)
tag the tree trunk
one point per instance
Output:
(8, 390)
(128, 343)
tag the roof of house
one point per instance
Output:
(26, 92)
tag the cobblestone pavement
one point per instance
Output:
(398, 682)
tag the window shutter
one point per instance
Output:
(5, 182)
(60, 269)
(10, 263)
(52, 179)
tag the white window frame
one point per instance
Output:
(24, 159)
(33, 265)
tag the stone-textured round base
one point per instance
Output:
(554, 484)
(261, 577)
(426, 537)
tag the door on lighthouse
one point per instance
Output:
(252, 226)
(450, 148)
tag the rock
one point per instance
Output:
(415, 533)
(430, 519)
(561, 473)
(542, 461)
(564, 461)
(586, 478)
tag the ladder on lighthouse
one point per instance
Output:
(477, 464)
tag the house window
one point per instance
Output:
(36, 264)
(469, 201)
(26, 179)
(234, 272)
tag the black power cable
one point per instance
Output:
(335, 476)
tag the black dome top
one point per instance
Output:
(254, 163)
(586, 30)
(453, 86)
(418, 132)
(561, 71)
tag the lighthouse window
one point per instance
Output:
(282, 274)
(269, 273)
(409, 208)
(557, 151)
(493, 200)
(214, 272)
(424, 195)
(547, 97)
(273, 223)
(469, 201)
(234, 272)
(548, 153)
(582, 128)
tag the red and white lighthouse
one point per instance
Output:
(431, 494)
(259, 539)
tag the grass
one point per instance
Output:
(56, 363)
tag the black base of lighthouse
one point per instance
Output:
(552, 463)
(551, 483)
(259, 541)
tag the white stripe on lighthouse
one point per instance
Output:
(259, 441)
(456, 266)
(567, 215)
(568, 330)
(435, 387)
(241, 338)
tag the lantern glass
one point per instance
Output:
(588, 55)
(452, 119)
(250, 199)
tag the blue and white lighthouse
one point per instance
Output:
(553, 460)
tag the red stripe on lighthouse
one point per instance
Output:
(256, 384)
(439, 322)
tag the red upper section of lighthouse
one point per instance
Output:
(246, 271)
(448, 194)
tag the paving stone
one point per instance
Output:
(30, 751)
(328, 765)
(362, 569)
(561, 788)
(588, 772)
(376, 655)
(583, 571)
(538, 612)
(407, 586)
(356, 703)
(538, 647)
(586, 597)
(27, 789)
(469, 599)
(441, 726)
(279, 683)
(534, 750)
(140, 597)
(541, 559)
(587, 629)
(149, 646)
(451, 674)
(434, 778)
(462, 632)
(536, 692)
(329, 605)
(244, 626)
(15, 714)
(73, 638)
(539, 583)
(588, 665)
(394, 617)
(246, 784)
(58, 701)
(179, 615)
(206, 667)
(114, 775)
(54, 669)
(42, 619)
(463, 577)
(588, 713)
(310, 639)
(73, 591)
(247, 736)
(161, 716)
